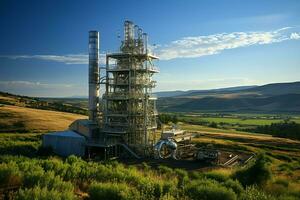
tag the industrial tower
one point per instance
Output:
(126, 115)
(129, 107)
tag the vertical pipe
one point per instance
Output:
(140, 40)
(136, 31)
(145, 41)
(93, 74)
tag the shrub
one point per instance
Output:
(182, 177)
(283, 182)
(47, 180)
(147, 188)
(253, 193)
(55, 165)
(288, 197)
(216, 176)
(165, 170)
(32, 177)
(73, 159)
(234, 185)
(146, 167)
(74, 167)
(167, 197)
(112, 191)
(10, 174)
(169, 187)
(258, 173)
(275, 189)
(43, 194)
(197, 190)
(213, 125)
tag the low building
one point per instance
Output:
(65, 143)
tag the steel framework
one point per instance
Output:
(128, 105)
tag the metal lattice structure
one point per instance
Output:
(129, 107)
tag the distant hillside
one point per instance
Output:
(277, 89)
(78, 106)
(22, 119)
(271, 98)
(191, 92)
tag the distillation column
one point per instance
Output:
(130, 111)
(93, 75)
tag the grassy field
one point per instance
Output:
(22, 119)
(239, 119)
(52, 177)
(274, 176)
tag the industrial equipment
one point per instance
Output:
(123, 121)
(124, 118)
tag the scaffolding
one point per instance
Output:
(128, 105)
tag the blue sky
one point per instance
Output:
(202, 44)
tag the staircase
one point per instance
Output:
(129, 150)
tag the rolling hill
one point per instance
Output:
(271, 98)
(22, 119)
(191, 92)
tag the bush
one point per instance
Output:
(213, 125)
(216, 176)
(197, 190)
(253, 193)
(282, 182)
(165, 170)
(166, 118)
(10, 175)
(234, 185)
(258, 173)
(112, 191)
(55, 165)
(182, 177)
(43, 194)
(47, 180)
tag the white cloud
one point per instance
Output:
(295, 36)
(16, 84)
(32, 88)
(213, 83)
(67, 59)
(187, 47)
(192, 47)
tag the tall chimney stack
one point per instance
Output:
(93, 75)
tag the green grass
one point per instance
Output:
(74, 178)
(235, 120)
(19, 143)
(51, 177)
(242, 121)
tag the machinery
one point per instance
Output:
(124, 118)
(123, 121)
(177, 144)
(208, 155)
(165, 148)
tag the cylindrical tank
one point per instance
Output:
(128, 32)
(93, 74)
